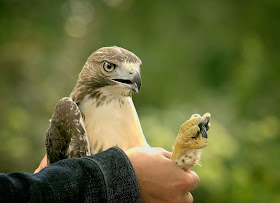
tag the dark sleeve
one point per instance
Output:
(105, 177)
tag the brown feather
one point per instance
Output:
(91, 78)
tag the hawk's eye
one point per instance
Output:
(108, 67)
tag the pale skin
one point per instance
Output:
(159, 178)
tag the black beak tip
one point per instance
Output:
(138, 83)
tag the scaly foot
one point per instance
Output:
(191, 139)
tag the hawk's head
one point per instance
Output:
(110, 70)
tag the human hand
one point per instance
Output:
(42, 165)
(159, 178)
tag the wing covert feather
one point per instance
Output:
(66, 136)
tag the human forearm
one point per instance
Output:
(102, 177)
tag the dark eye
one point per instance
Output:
(108, 67)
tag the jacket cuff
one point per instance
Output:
(121, 183)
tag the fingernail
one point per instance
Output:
(194, 172)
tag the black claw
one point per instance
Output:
(200, 125)
(203, 126)
(205, 123)
(204, 132)
(197, 134)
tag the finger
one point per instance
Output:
(192, 179)
(189, 198)
(37, 170)
(166, 154)
(42, 165)
(161, 151)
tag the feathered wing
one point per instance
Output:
(66, 137)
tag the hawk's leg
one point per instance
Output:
(66, 136)
(191, 139)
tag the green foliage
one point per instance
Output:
(214, 56)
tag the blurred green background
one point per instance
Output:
(219, 56)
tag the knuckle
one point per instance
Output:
(182, 185)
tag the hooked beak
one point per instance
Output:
(132, 81)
